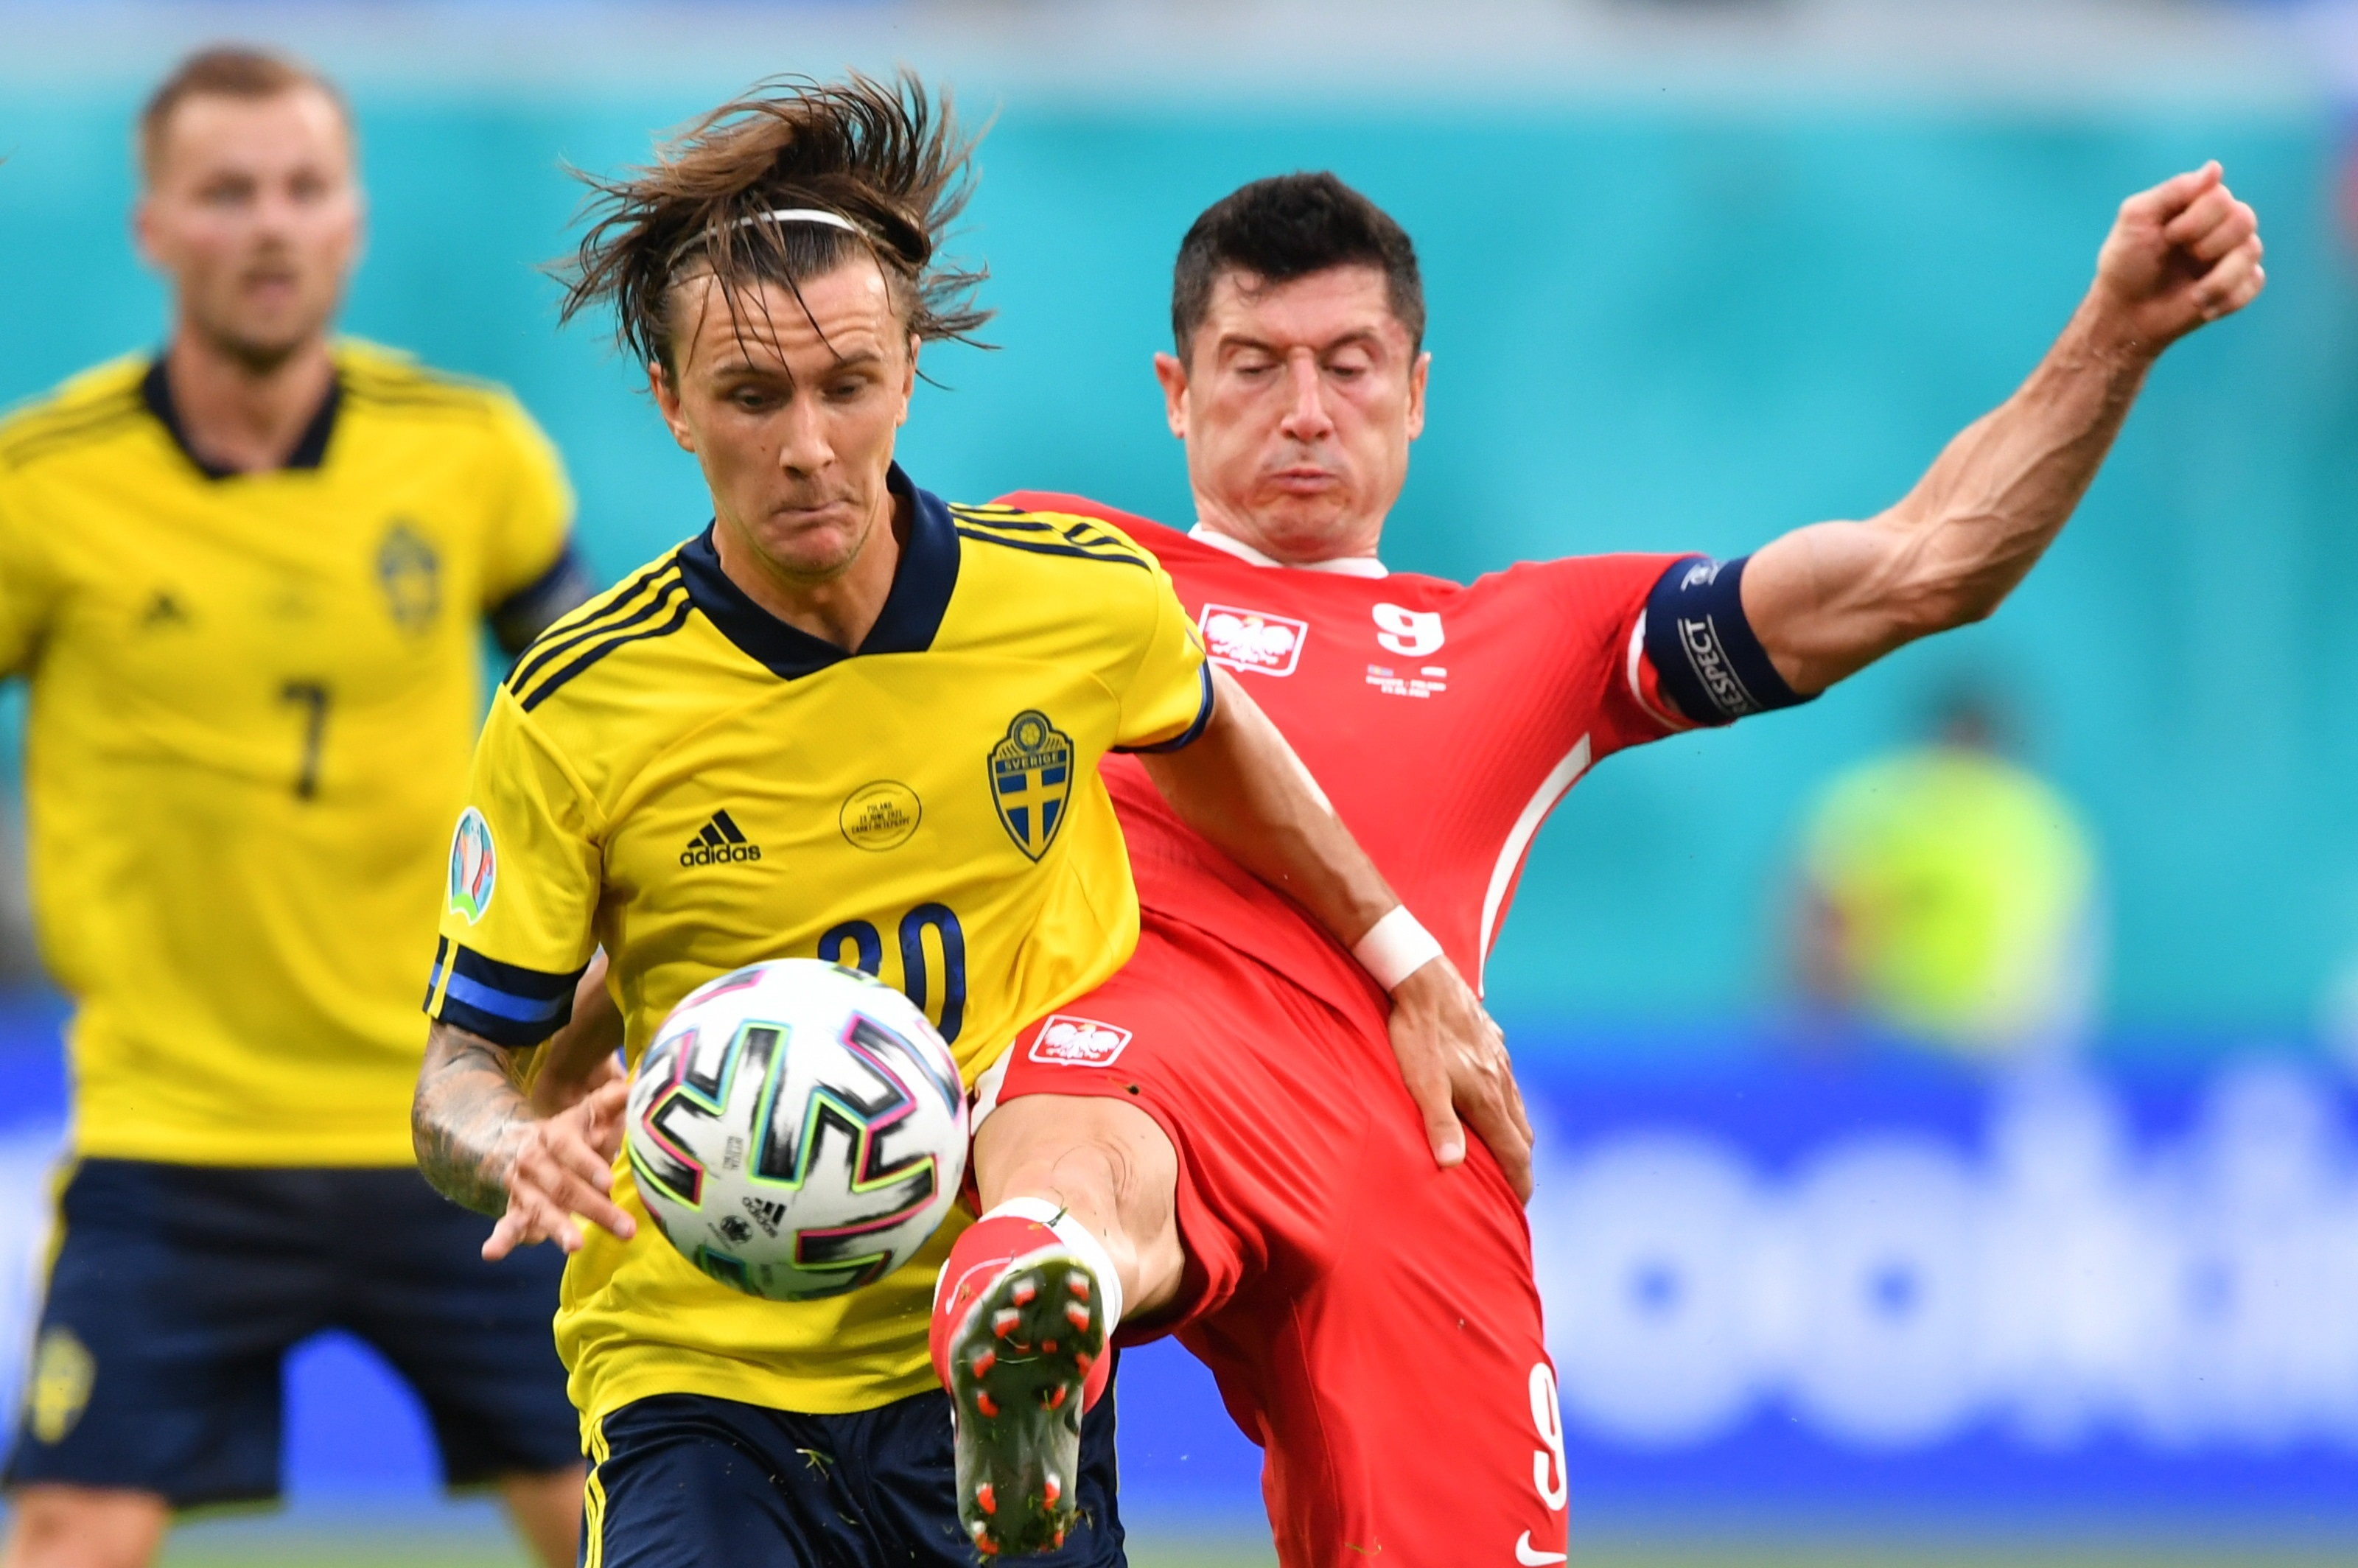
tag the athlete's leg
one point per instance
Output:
(1079, 1199)
(689, 1481)
(1338, 1283)
(1427, 1315)
(1079, 1196)
(55, 1526)
(1084, 1169)
(681, 1481)
(472, 1338)
(545, 1508)
(173, 1297)
(895, 1472)
(1106, 1164)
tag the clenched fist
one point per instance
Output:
(2180, 254)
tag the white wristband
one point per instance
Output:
(1395, 947)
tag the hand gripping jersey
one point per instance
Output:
(253, 697)
(1444, 721)
(678, 775)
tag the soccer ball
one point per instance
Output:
(797, 1129)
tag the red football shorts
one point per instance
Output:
(1371, 1318)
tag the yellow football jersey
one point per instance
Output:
(678, 776)
(252, 698)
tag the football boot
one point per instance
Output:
(1025, 1355)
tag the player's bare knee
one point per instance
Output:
(75, 1526)
(1123, 1173)
(546, 1505)
(1034, 1157)
(1073, 1134)
(1086, 1151)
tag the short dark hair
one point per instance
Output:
(1289, 226)
(887, 156)
(225, 71)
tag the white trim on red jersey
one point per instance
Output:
(1518, 838)
(1669, 721)
(1341, 565)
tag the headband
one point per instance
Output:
(780, 215)
(801, 215)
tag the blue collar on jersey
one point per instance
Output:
(310, 449)
(913, 611)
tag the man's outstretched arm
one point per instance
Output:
(1829, 599)
(1240, 785)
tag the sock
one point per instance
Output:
(1016, 1230)
(1081, 1241)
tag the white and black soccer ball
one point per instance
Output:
(797, 1128)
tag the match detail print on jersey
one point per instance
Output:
(1411, 634)
(882, 816)
(1253, 639)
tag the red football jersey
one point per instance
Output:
(1445, 720)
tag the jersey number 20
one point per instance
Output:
(858, 945)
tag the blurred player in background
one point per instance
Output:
(1224, 1115)
(836, 635)
(247, 581)
(1949, 899)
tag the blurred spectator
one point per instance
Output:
(1950, 897)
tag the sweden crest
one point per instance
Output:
(1031, 780)
(411, 575)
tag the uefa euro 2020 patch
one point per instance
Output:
(474, 866)
(1065, 1041)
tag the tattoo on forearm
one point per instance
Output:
(468, 1119)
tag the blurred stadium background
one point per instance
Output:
(1700, 270)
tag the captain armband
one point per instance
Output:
(1703, 649)
(533, 607)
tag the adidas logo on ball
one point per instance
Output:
(720, 841)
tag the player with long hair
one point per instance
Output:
(776, 271)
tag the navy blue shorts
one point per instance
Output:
(178, 1291)
(686, 1481)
